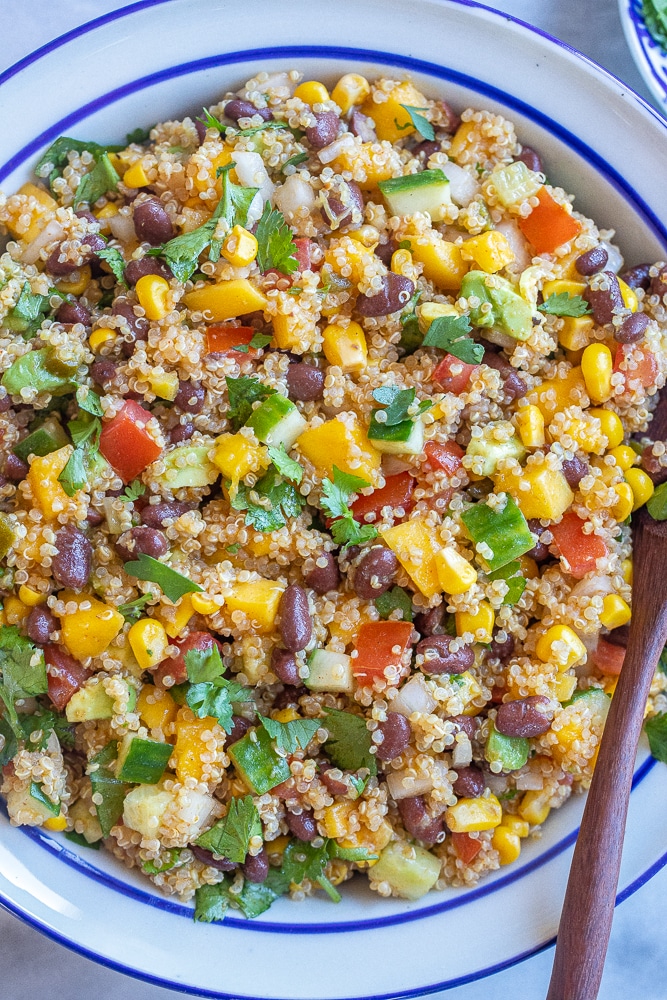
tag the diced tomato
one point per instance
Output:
(467, 848)
(450, 381)
(127, 447)
(65, 675)
(175, 666)
(303, 245)
(380, 645)
(549, 225)
(608, 658)
(446, 457)
(638, 363)
(223, 340)
(579, 550)
(396, 493)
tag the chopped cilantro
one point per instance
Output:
(101, 179)
(89, 401)
(564, 304)
(421, 123)
(23, 673)
(291, 736)
(210, 121)
(131, 611)
(132, 492)
(85, 431)
(243, 392)
(46, 721)
(285, 465)
(56, 157)
(209, 693)
(105, 783)
(39, 795)
(300, 861)
(78, 838)
(173, 585)
(171, 861)
(657, 504)
(656, 730)
(230, 837)
(450, 333)
(407, 245)
(398, 403)
(262, 128)
(258, 341)
(74, 476)
(334, 501)
(395, 599)
(211, 902)
(139, 136)
(294, 161)
(349, 742)
(411, 336)
(233, 549)
(276, 247)
(269, 503)
(116, 262)
(27, 315)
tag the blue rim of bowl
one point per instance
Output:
(612, 176)
(653, 60)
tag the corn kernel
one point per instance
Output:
(240, 247)
(530, 425)
(15, 610)
(107, 212)
(345, 346)
(624, 456)
(100, 337)
(350, 90)
(507, 843)
(135, 176)
(336, 819)
(203, 605)
(312, 92)
(641, 485)
(286, 715)
(629, 296)
(597, 365)
(534, 807)
(474, 815)
(148, 639)
(401, 263)
(561, 645)
(490, 251)
(56, 823)
(610, 423)
(76, 283)
(455, 573)
(558, 286)
(43, 208)
(482, 621)
(625, 503)
(626, 570)
(615, 612)
(31, 598)
(516, 824)
(153, 294)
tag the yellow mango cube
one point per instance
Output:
(575, 332)
(89, 632)
(392, 121)
(156, 707)
(236, 456)
(416, 546)
(546, 495)
(259, 600)
(560, 286)
(534, 807)
(176, 618)
(49, 495)
(336, 818)
(39, 208)
(507, 843)
(164, 384)
(442, 261)
(556, 393)
(190, 745)
(345, 346)
(343, 444)
(490, 251)
(349, 258)
(474, 815)
(363, 159)
(226, 299)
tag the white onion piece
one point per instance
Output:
(274, 82)
(255, 210)
(517, 242)
(251, 172)
(497, 783)
(615, 262)
(292, 196)
(462, 753)
(335, 148)
(413, 697)
(529, 782)
(594, 586)
(52, 231)
(463, 187)
(122, 227)
(403, 785)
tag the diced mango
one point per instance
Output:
(336, 818)
(226, 299)
(259, 599)
(236, 456)
(364, 158)
(392, 121)
(88, 632)
(190, 745)
(42, 208)
(556, 393)
(490, 251)
(416, 547)
(176, 618)
(345, 346)
(349, 258)
(560, 286)
(575, 333)
(547, 494)
(473, 815)
(534, 807)
(15, 610)
(371, 840)
(343, 444)
(47, 491)
(156, 707)
(442, 261)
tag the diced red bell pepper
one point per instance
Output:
(467, 848)
(638, 364)
(127, 447)
(579, 550)
(453, 381)
(303, 245)
(549, 225)
(64, 675)
(223, 340)
(396, 493)
(176, 666)
(446, 457)
(608, 658)
(380, 645)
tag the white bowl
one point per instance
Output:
(166, 58)
(651, 60)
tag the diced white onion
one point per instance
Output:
(335, 148)
(51, 232)
(462, 753)
(293, 195)
(517, 242)
(413, 697)
(463, 187)
(530, 781)
(122, 227)
(615, 262)
(251, 172)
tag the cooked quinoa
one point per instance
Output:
(323, 417)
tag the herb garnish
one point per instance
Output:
(258, 341)
(276, 247)
(564, 304)
(243, 392)
(349, 742)
(102, 178)
(23, 673)
(334, 501)
(230, 837)
(395, 599)
(114, 258)
(131, 611)
(105, 783)
(269, 502)
(209, 693)
(291, 736)
(173, 585)
(132, 492)
(419, 122)
(450, 333)
(285, 465)
(397, 404)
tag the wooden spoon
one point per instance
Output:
(588, 910)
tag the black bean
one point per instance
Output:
(137, 325)
(159, 515)
(619, 636)
(340, 210)
(523, 717)
(540, 551)
(15, 468)
(385, 251)
(240, 727)
(658, 284)
(59, 268)
(296, 627)
(592, 261)
(375, 572)
(325, 129)
(322, 579)
(605, 297)
(651, 464)
(141, 541)
(439, 658)
(302, 825)
(152, 223)
(637, 277)
(305, 383)
(40, 624)
(431, 622)
(396, 734)
(73, 312)
(396, 293)
(103, 371)
(362, 126)
(513, 385)
(426, 148)
(574, 470)
(94, 242)
(93, 518)
(418, 822)
(502, 650)
(285, 667)
(83, 213)
(465, 723)
(469, 783)
(201, 130)
(72, 566)
(5, 403)
(181, 432)
(289, 696)
(237, 108)
(208, 858)
(333, 785)
(190, 396)
(531, 158)
(632, 329)
(136, 269)
(450, 120)
(256, 868)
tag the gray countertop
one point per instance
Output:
(32, 966)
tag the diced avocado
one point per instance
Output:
(40, 370)
(92, 702)
(142, 761)
(409, 869)
(427, 191)
(505, 531)
(510, 751)
(595, 700)
(404, 438)
(257, 762)
(81, 816)
(277, 421)
(143, 808)
(49, 437)
(7, 534)
(188, 465)
(509, 312)
(492, 450)
(329, 671)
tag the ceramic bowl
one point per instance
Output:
(650, 58)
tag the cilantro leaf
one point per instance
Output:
(89, 401)
(131, 611)
(211, 700)
(294, 161)
(50, 164)
(421, 123)
(450, 333)
(85, 431)
(105, 783)
(210, 121)
(74, 476)
(80, 840)
(564, 304)
(23, 672)
(139, 135)
(349, 742)
(291, 736)
(285, 465)
(38, 793)
(254, 898)
(656, 730)
(211, 902)
(9, 731)
(657, 504)
(173, 585)
(346, 531)
(47, 721)
(27, 315)
(101, 179)
(269, 503)
(116, 262)
(276, 247)
(258, 341)
(204, 664)
(82, 429)
(182, 252)
(132, 492)
(262, 128)
(394, 599)
(411, 335)
(230, 837)
(334, 501)
(243, 392)
(210, 694)
(172, 860)
(397, 403)
(236, 200)
(300, 861)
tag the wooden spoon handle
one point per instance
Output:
(588, 909)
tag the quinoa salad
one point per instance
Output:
(323, 418)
